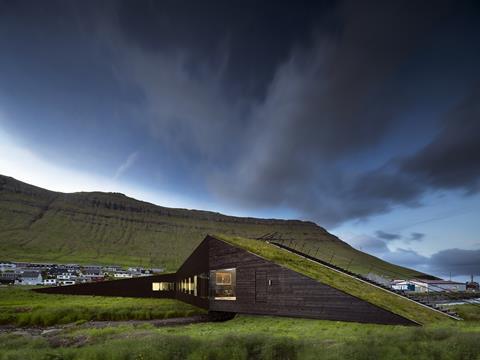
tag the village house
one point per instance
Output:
(66, 282)
(93, 275)
(111, 268)
(65, 276)
(122, 275)
(29, 278)
(8, 277)
(49, 282)
(7, 265)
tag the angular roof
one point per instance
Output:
(444, 282)
(351, 285)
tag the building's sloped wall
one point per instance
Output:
(289, 293)
(196, 264)
(137, 287)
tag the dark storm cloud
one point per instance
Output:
(255, 36)
(387, 236)
(290, 105)
(408, 258)
(335, 101)
(456, 261)
(451, 160)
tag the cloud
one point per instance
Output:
(408, 258)
(456, 262)
(370, 245)
(329, 118)
(451, 160)
(127, 164)
(330, 103)
(416, 236)
(387, 236)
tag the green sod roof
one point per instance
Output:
(384, 299)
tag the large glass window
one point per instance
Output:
(223, 284)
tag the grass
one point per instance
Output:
(21, 307)
(469, 312)
(381, 298)
(108, 228)
(252, 337)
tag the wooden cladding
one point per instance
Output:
(267, 288)
(260, 286)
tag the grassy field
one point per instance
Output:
(110, 228)
(249, 337)
(469, 312)
(381, 298)
(22, 307)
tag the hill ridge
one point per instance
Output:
(7, 180)
(43, 225)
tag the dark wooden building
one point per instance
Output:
(224, 278)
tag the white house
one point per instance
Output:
(50, 282)
(66, 282)
(64, 277)
(422, 285)
(30, 278)
(6, 265)
(122, 275)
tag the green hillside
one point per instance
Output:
(110, 228)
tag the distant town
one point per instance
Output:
(51, 274)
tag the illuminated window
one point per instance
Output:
(223, 278)
(163, 286)
(223, 284)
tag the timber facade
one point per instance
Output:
(225, 279)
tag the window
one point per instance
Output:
(223, 278)
(223, 284)
(163, 286)
(188, 285)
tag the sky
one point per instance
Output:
(363, 116)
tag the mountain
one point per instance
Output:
(111, 228)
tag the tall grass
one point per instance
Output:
(413, 344)
(160, 347)
(22, 307)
